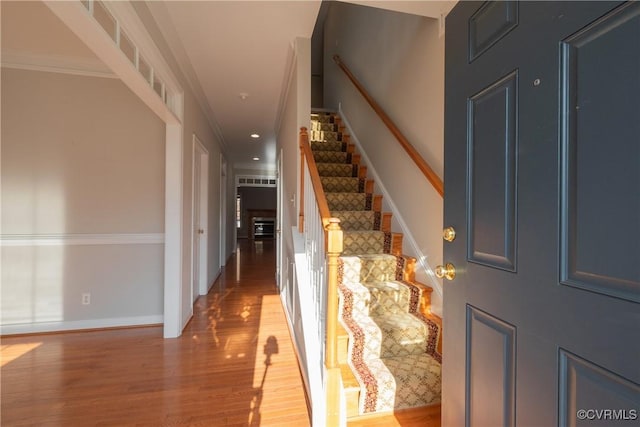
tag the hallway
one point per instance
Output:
(234, 364)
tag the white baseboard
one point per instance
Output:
(74, 325)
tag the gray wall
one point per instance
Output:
(82, 161)
(399, 58)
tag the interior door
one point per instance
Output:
(200, 181)
(223, 212)
(542, 172)
(197, 230)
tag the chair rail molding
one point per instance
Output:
(12, 240)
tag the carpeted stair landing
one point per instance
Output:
(390, 343)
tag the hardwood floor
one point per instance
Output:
(427, 416)
(234, 365)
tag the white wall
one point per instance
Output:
(82, 162)
(399, 58)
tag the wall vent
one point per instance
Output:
(255, 181)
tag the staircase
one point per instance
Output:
(389, 344)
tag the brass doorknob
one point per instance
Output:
(449, 234)
(448, 271)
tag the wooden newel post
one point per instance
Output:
(304, 138)
(334, 249)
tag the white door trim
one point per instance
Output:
(200, 155)
(223, 211)
(279, 201)
(173, 282)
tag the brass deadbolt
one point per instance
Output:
(449, 234)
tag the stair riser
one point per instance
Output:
(318, 135)
(349, 201)
(331, 184)
(352, 397)
(366, 243)
(337, 169)
(404, 342)
(358, 220)
(356, 269)
(332, 157)
(329, 146)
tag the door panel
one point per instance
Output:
(492, 149)
(586, 385)
(489, 24)
(491, 358)
(543, 189)
(592, 192)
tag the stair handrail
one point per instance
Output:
(422, 164)
(333, 246)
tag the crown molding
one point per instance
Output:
(52, 63)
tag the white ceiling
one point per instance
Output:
(233, 48)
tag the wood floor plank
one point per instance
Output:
(427, 416)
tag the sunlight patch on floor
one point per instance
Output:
(274, 362)
(9, 353)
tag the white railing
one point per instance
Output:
(315, 254)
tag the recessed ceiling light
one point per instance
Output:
(243, 95)
(256, 158)
(255, 135)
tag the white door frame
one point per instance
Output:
(223, 211)
(279, 210)
(200, 213)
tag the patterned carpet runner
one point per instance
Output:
(392, 348)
